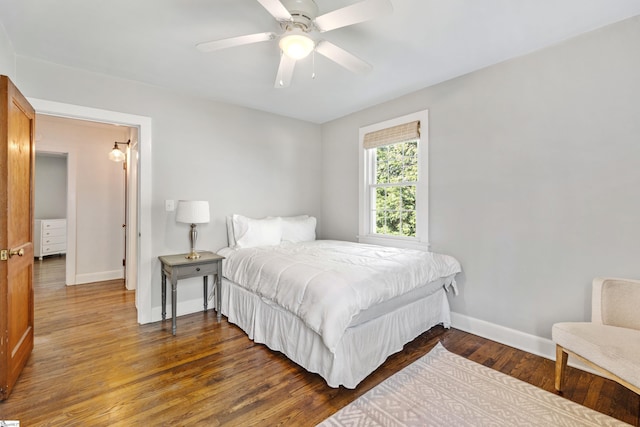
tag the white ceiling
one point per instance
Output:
(423, 42)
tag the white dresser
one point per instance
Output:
(50, 237)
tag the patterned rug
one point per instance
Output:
(444, 389)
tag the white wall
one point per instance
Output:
(99, 192)
(240, 160)
(51, 186)
(7, 55)
(534, 177)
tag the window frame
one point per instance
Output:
(367, 173)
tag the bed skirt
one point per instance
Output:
(362, 348)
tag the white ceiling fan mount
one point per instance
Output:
(302, 12)
(298, 19)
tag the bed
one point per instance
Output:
(338, 309)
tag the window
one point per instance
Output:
(393, 187)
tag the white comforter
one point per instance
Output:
(326, 283)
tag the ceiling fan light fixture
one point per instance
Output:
(296, 45)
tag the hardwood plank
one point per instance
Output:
(94, 365)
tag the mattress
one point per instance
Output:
(404, 299)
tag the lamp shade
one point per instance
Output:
(296, 45)
(116, 154)
(192, 211)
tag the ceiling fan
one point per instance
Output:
(298, 20)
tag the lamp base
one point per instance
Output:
(193, 235)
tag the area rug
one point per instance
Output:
(444, 389)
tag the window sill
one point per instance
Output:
(398, 242)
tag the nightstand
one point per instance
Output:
(178, 267)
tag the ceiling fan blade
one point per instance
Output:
(276, 9)
(342, 57)
(285, 71)
(235, 41)
(354, 14)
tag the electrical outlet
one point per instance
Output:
(169, 205)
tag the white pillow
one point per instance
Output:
(231, 238)
(298, 229)
(250, 232)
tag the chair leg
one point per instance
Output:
(561, 365)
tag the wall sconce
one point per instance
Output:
(116, 154)
(192, 212)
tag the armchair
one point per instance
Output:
(610, 343)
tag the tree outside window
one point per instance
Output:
(394, 190)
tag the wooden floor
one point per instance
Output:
(93, 365)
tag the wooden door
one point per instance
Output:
(17, 161)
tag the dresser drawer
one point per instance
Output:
(185, 271)
(54, 223)
(53, 249)
(53, 240)
(54, 232)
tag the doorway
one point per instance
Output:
(96, 197)
(50, 210)
(141, 258)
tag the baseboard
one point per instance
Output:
(99, 277)
(539, 346)
(184, 307)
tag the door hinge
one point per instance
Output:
(4, 255)
(124, 262)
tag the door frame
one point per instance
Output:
(144, 259)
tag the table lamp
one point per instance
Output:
(192, 212)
